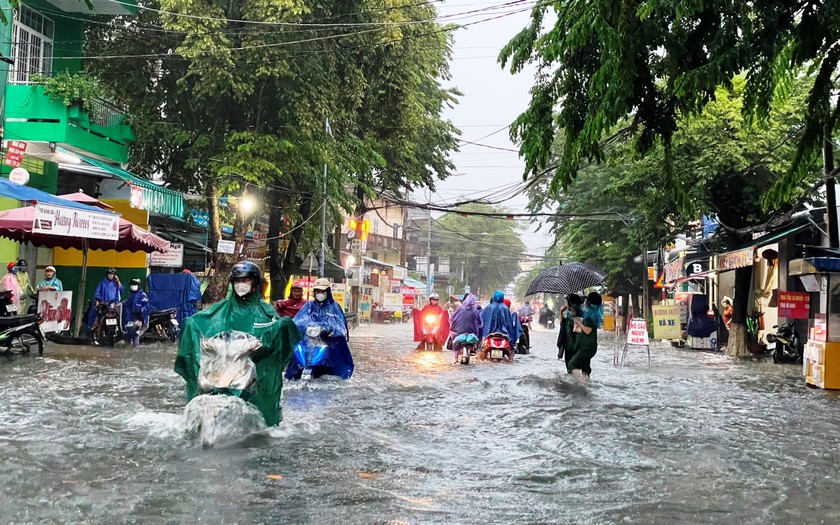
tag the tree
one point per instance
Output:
(229, 96)
(485, 250)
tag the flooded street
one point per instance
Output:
(95, 436)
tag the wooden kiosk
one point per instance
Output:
(821, 360)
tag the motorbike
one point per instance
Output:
(19, 333)
(431, 325)
(467, 344)
(383, 316)
(787, 345)
(314, 356)
(226, 378)
(163, 326)
(524, 344)
(107, 330)
(497, 348)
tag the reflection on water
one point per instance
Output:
(96, 435)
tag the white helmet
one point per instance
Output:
(434, 296)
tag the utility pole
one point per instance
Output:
(645, 298)
(322, 260)
(830, 187)
(429, 258)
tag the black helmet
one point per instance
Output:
(246, 269)
(111, 270)
(134, 281)
(21, 263)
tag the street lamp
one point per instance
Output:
(350, 260)
(247, 204)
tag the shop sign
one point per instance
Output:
(696, 267)
(339, 295)
(136, 196)
(400, 273)
(651, 273)
(71, 222)
(19, 176)
(174, 258)
(794, 305)
(673, 270)
(736, 259)
(407, 293)
(55, 308)
(226, 246)
(666, 322)
(392, 302)
(15, 151)
(637, 333)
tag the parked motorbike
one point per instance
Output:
(787, 343)
(106, 329)
(226, 378)
(19, 333)
(431, 326)
(497, 348)
(163, 326)
(315, 356)
(383, 316)
(524, 344)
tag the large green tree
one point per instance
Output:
(229, 97)
(484, 252)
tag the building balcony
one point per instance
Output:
(33, 117)
(386, 243)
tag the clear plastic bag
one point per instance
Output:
(226, 361)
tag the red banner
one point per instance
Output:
(14, 153)
(794, 305)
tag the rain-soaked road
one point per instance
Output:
(94, 436)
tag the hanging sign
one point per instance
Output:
(19, 176)
(794, 305)
(392, 302)
(736, 259)
(55, 308)
(136, 197)
(666, 322)
(399, 273)
(226, 246)
(673, 270)
(174, 258)
(407, 293)
(71, 222)
(637, 333)
(14, 153)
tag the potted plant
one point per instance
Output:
(73, 90)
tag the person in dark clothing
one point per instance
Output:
(586, 342)
(567, 334)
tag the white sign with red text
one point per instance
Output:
(637, 333)
(55, 308)
(72, 222)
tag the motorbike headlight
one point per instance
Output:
(299, 354)
(431, 318)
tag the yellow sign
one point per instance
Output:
(666, 322)
(609, 312)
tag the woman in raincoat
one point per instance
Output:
(586, 342)
(135, 313)
(326, 314)
(243, 312)
(465, 320)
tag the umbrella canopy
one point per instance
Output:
(83, 198)
(16, 225)
(566, 278)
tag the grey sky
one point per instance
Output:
(491, 99)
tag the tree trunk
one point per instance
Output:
(738, 335)
(288, 266)
(275, 220)
(217, 287)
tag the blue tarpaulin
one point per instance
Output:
(179, 290)
(17, 191)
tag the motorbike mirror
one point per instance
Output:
(775, 326)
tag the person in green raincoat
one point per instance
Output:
(25, 285)
(246, 312)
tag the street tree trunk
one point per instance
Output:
(219, 280)
(288, 266)
(738, 335)
(275, 221)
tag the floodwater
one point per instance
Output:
(96, 436)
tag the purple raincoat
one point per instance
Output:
(466, 319)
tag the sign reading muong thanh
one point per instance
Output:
(72, 222)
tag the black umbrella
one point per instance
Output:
(567, 278)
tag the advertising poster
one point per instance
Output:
(666, 322)
(56, 310)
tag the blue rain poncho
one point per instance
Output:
(330, 317)
(497, 318)
(136, 308)
(107, 292)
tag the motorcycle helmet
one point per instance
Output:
(21, 263)
(134, 281)
(11, 265)
(246, 269)
(434, 296)
(321, 284)
(112, 271)
(507, 302)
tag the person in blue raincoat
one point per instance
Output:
(193, 294)
(326, 314)
(497, 318)
(109, 291)
(135, 313)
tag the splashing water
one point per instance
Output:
(216, 419)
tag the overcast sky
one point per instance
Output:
(492, 98)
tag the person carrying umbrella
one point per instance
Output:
(566, 337)
(586, 342)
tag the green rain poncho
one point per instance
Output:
(254, 317)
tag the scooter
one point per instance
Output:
(497, 348)
(163, 326)
(226, 377)
(524, 344)
(107, 329)
(787, 343)
(19, 333)
(431, 325)
(467, 344)
(314, 356)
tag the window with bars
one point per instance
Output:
(32, 45)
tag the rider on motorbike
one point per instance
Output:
(135, 313)
(325, 313)
(290, 306)
(465, 320)
(245, 312)
(108, 291)
(435, 317)
(526, 310)
(497, 318)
